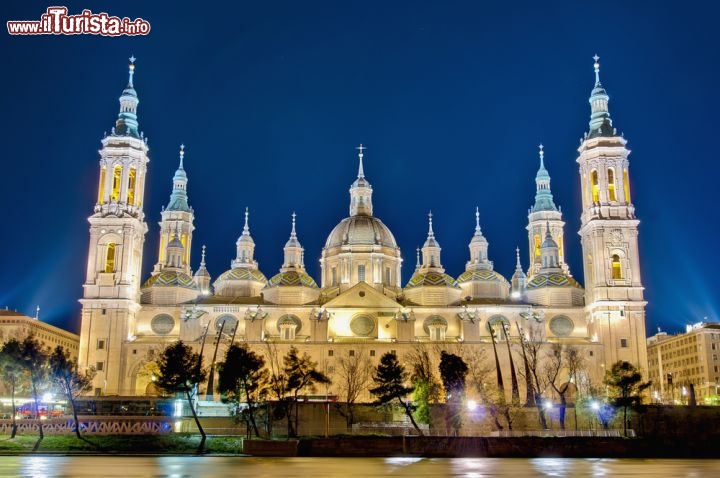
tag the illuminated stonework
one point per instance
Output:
(362, 301)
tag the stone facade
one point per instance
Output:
(361, 305)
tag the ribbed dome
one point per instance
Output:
(292, 278)
(241, 273)
(481, 275)
(552, 279)
(431, 279)
(170, 279)
(361, 230)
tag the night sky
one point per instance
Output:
(450, 98)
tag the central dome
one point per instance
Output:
(360, 230)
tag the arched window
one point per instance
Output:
(101, 188)
(117, 173)
(110, 258)
(361, 273)
(333, 276)
(611, 184)
(616, 267)
(537, 245)
(626, 186)
(594, 187)
(131, 186)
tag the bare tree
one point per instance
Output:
(533, 347)
(354, 374)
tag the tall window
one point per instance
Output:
(594, 187)
(161, 256)
(626, 186)
(117, 173)
(616, 267)
(333, 276)
(611, 184)
(387, 275)
(537, 245)
(110, 258)
(101, 188)
(131, 186)
(361, 273)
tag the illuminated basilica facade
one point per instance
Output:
(362, 302)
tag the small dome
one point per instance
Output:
(361, 230)
(481, 275)
(171, 279)
(242, 273)
(431, 279)
(552, 279)
(292, 278)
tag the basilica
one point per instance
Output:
(360, 302)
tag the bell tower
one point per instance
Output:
(609, 235)
(117, 232)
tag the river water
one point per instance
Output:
(212, 467)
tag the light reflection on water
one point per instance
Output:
(216, 467)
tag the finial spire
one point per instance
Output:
(518, 267)
(361, 172)
(430, 229)
(202, 257)
(246, 228)
(292, 233)
(477, 220)
(131, 70)
(37, 313)
(182, 155)
(542, 156)
(417, 252)
(596, 65)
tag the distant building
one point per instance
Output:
(14, 325)
(677, 361)
(361, 302)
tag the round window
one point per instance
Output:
(561, 326)
(362, 325)
(162, 324)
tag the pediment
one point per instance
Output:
(362, 295)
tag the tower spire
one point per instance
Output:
(178, 196)
(293, 251)
(246, 227)
(245, 247)
(600, 122)
(360, 190)
(543, 194)
(127, 123)
(361, 172)
(131, 71)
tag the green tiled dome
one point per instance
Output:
(431, 279)
(552, 279)
(292, 278)
(171, 279)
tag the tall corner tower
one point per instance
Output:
(609, 235)
(111, 292)
(177, 218)
(544, 212)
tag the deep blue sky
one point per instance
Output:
(451, 99)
